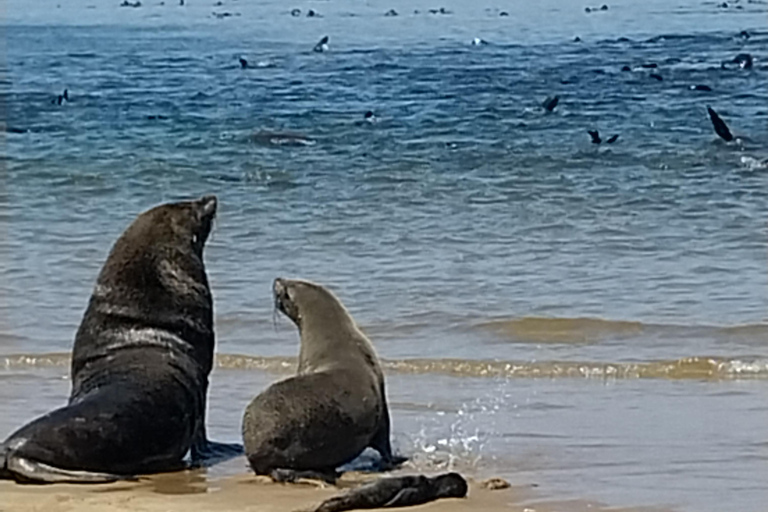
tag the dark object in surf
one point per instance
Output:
(322, 45)
(391, 12)
(649, 65)
(295, 12)
(550, 103)
(626, 68)
(612, 139)
(126, 3)
(401, 491)
(656, 76)
(699, 87)
(603, 7)
(719, 125)
(503, 13)
(312, 14)
(369, 116)
(243, 63)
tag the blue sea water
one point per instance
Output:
(588, 318)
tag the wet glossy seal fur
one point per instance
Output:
(140, 363)
(404, 491)
(335, 407)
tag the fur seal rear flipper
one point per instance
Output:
(402, 491)
(333, 408)
(719, 125)
(322, 45)
(140, 362)
(550, 103)
(597, 140)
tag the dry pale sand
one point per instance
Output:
(192, 492)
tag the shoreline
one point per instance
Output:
(194, 491)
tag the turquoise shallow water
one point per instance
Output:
(589, 319)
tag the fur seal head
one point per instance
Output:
(325, 327)
(166, 234)
(154, 277)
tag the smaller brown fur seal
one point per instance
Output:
(335, 407)
(404, 491)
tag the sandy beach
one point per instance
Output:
(193, 491)
(189, 492)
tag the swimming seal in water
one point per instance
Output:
(334, 408)
(404, 491)
(140, 362)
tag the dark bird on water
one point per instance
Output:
(719, 125)
(597, 140)
(701, 88)
(656, 76)
(550, 103)
(322, 45)
(243, 63)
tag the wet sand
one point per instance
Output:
(191, 492)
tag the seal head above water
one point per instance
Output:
(140, 363)
(334, 407)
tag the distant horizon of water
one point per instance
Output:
(591, 320)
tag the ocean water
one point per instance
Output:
(589, 320)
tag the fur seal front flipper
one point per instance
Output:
(140, 362)
(719, 125)
(402, 491)
(335, 406)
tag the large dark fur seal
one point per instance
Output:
(140, 363)
(404, 491)
(335, 407)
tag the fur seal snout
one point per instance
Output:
(333, 408)
(140, 362)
